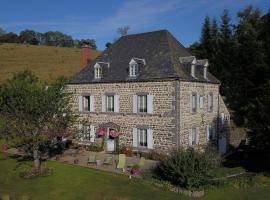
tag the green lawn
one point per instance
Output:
(75, 182)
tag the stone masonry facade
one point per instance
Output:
(171, 118)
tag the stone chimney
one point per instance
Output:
(85, 54)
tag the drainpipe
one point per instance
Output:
(177, 112)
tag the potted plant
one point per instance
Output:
(135, 169)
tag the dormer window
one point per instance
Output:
(133, 70)
(97, 71)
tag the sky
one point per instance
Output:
(99, 19)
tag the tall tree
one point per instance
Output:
(31, 113)
(206, 39)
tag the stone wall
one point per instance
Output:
(171, 118)
(202, 117)
(161, 121)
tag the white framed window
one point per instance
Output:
(210, 134)
(222, 118)
(210, 102)
(193, 103)
(86, 103)
(98, 72)
(110, 103)
(87, 132)
(142, 137)
(142, 103)
(133, 68)
(201, 102)
(193, 136)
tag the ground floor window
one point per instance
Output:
(86, 132)
(193, 136)
(142, 133)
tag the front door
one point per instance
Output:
(110, 141)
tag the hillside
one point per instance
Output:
(45, 61)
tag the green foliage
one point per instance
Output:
(188, 168)
(167, 186)
(50, 38)
(239, 56)
(33, 113)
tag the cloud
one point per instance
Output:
(138, 13)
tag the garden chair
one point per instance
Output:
(5, 197)
(121, 162)
(25, 197)
(108, 159)
(141, 162)
(92, 158)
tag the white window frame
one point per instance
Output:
(210, 102)
(109, 103)
(194, 102)
(98, 72)
(210, 132)
(133, 70)
(86, 99)
(201, 101)
(194, 135)
(142, 104)
(143, 139)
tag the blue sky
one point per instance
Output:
(99, 19)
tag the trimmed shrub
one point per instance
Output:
(188, 168)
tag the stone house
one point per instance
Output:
(148, 92)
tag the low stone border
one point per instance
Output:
(190, 193)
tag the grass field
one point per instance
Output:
(75, 182)
(46, 62)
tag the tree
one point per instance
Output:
(28, 37)
(32, 113)
(206, 39)
(108, 44)
(9, 38)
(122, 31)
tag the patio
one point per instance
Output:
(80, 157)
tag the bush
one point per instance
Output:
(95, 148)
(188, 168)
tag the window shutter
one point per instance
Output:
(190, 137)
(103, 103)
(201, 102)
(214, 107)
(135, 103)
(190, 103)
(209, 102)
(80, 103)
(92, 133)
(135, 137)
(150, 104)
(198, 102)
(149, 138)
(92, 103)
(197, 135)
(207, 133)
(116, 103)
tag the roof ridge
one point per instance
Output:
(144, 33)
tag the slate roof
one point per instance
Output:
(161, 52)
